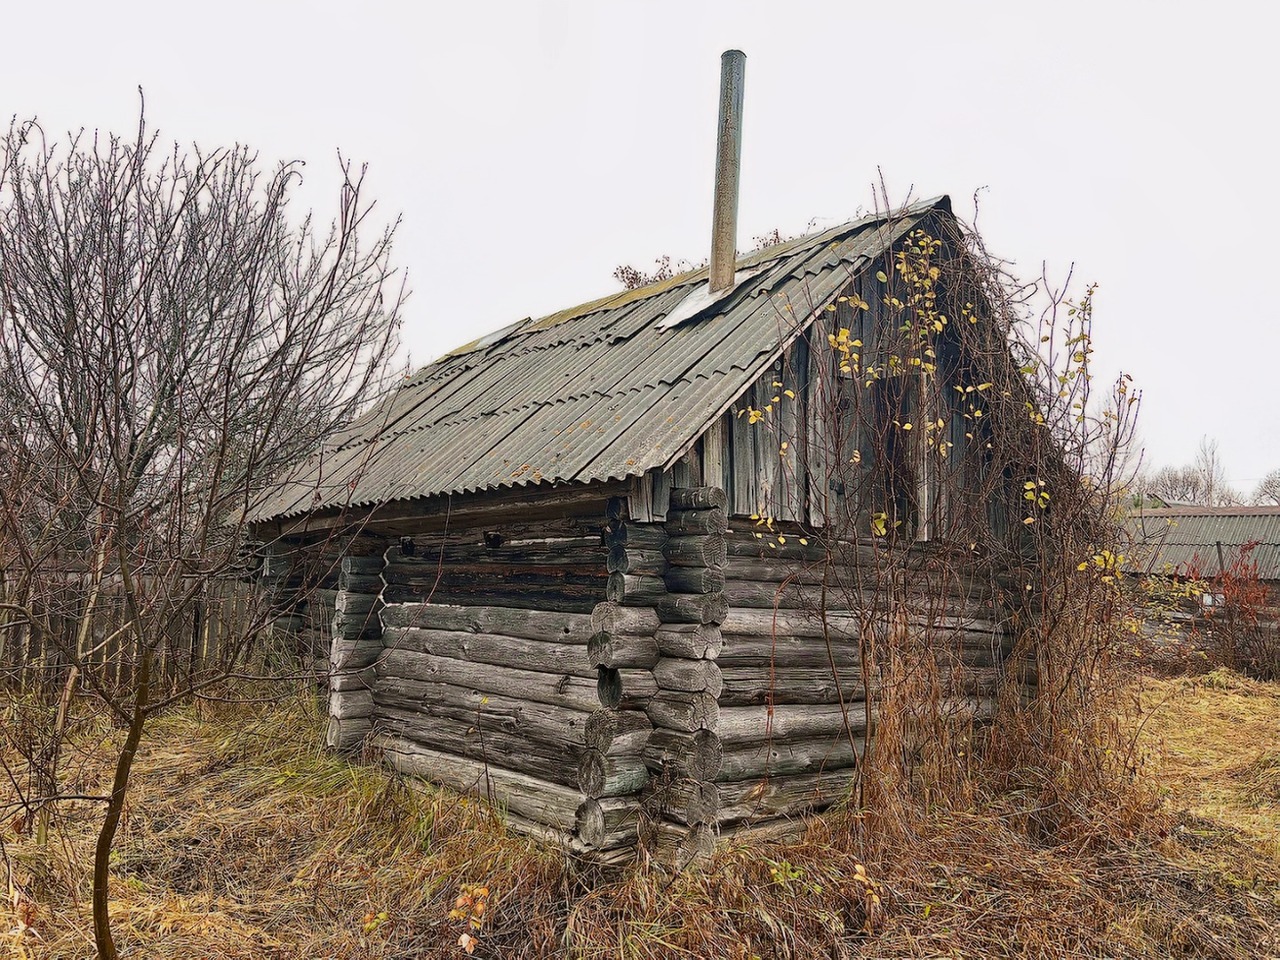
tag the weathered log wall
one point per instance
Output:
(793, 710)
(627, 683)
(483, 679)
(623, 650)
(684, 752)
(558, 565)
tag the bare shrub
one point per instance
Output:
(172, 336)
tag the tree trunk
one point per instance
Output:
(115, 807)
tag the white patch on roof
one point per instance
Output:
(701, 297)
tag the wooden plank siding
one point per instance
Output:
(840, 436)
(846, 454)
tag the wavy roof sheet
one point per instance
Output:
(1172, 539)
(596, 392)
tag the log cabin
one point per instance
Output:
(582, 565)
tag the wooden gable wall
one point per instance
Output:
(799, 482)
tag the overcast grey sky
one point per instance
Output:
(533, 146)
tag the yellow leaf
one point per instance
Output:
(881, 276)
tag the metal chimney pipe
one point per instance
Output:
(724, 220)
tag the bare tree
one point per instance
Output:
(1203, 481)
(1175, 484)
(1208, 464)
(1267, 493)
(172, 337)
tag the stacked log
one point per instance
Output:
(484, 681)
(355, 644)
(623, 651)
(684, 754)
(562, 574)
(500, 669)
(527, 797)
(491, 700)
(793, 712)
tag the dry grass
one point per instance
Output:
(1216, 740)
(242, 840)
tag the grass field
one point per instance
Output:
(243, 840)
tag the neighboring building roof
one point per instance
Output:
(1172, 539)
(596, 392)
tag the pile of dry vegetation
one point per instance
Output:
(243, 840)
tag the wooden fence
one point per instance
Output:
(212, 626)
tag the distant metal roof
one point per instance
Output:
(596, 392)
(1176, 538)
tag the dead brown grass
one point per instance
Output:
(1215, 739)
(242, 840)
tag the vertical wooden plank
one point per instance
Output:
(820, 408)
(682, 473)
(694, 458)
(792, 481)
(662, 482)
(742, 450)
(715, 459)
(640, 499)
(926, 466)
(962, 476)
(766, 440)
(865, 431)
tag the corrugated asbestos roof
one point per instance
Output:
(1176, 538)
(596, 392)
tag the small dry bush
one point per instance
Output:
(1242, 631)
